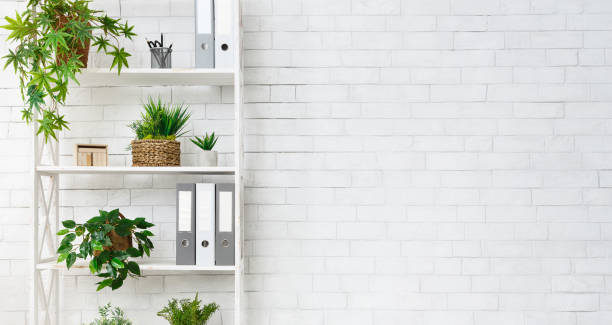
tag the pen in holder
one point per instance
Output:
(161, 57)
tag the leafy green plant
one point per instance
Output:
(161, 121)
(101, 236)
(207, 143)
(187, 312)
(52, 41)
(111, 316)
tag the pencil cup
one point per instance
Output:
(161, 58)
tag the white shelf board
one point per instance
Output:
(145, 265)
(135, 170)
(155, 77)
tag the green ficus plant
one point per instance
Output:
(187, 312)
(107, 241)
(52, 41)
(206, 143)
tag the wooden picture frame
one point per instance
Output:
(91, 155)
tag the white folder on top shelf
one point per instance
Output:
(224, 34)
(204, 36)
(205, 224)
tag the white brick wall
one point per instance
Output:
(409, 161)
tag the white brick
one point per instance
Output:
(434, 7)
(378, 7)
(480, 40)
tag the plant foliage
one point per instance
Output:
(161, 121)
(207, 143)
(187, 312)
(113, 266)
(111, 316)
(47, 57)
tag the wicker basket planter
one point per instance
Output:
(156, 153)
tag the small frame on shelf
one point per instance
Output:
(91, 155)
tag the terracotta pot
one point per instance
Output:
(119, 243)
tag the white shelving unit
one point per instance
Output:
(46, 296)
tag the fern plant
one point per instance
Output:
(53, 38)
(162, 121)
(111, 316)
(187, 312)
(206, 143)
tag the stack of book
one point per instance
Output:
(205, 224)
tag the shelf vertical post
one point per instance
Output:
(238, 161)
(35, 210)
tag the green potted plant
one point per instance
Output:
(52, 45)
(187, 312)
(206, 156)
(156, 133)
(111, 316)
(106, 241)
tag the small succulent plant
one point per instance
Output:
(206, 143)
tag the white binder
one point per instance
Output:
(204, 36)
(205, 224)
(224, 34)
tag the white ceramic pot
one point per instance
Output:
(207, 158)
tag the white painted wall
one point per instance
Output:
(409, 162)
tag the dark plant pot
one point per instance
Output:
(119, 243)
(75, 49)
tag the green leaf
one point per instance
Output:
(84, 249)
(123, 273)
(123, 230)
(133, 267)
(96, 245)
(103, 284)
(101, 43)
(115, 262)
(103, 257)
(116, 284)
(111, 270)
(119, 59)
(69, 224)
(93, 266)
(71, 259)
(63, 232)
(114, 214)
(62, 257)
(133, 252)
(147, 233)
(56, 38)
(147, 250)
(80, 230)
(64, 248)
(69, 238)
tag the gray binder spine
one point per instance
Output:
(204, 34)
(185, 224)
(225, 224)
